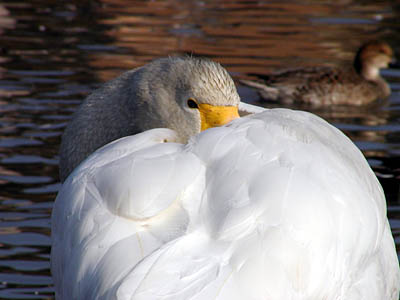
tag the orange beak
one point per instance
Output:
(214, 116)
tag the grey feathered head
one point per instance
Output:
(176, 93)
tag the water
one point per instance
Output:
(53, 54)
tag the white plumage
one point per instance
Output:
(277, 205)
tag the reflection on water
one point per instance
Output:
(51, 56)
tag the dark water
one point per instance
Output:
(52, 53)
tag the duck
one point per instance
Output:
(276, 204)
(359, 84)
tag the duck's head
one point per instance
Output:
(372, 57)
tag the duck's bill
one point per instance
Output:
(214, 116)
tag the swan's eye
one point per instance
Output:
(192, 103)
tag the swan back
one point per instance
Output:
(277, 205)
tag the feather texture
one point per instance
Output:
(276, 205)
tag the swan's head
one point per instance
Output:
(188, 94)
(184, 94)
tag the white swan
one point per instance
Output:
(277, 205)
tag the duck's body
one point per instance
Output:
(359, 84)
(278, 205)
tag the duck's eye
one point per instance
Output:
(192, 104)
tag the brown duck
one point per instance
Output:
(356, 85)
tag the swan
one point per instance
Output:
(275, 205)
